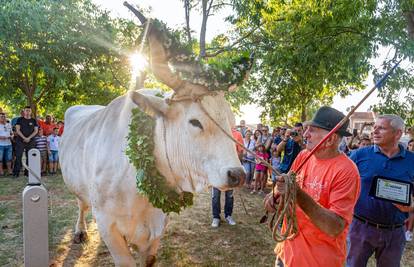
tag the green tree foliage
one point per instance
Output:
(393, 32)
(309, 51)
(54, 54)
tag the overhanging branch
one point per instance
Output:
(229, 47)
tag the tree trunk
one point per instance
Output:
(187, 8)
(410, 23)
(29, 88)
(140, 79)
(33, 106)
(203, 29)
(303, 113)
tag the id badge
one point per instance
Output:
(392, 190)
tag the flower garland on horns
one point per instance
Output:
(217, 73)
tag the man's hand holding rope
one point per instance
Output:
(282, 202)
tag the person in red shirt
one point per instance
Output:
(239, 138)
(328, 188)
(47, 125)
(61, 126)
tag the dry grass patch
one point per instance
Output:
(189, 239)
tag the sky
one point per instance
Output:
(172, 13)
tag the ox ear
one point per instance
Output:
(152, 105)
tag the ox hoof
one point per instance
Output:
(150, 261)
(80, 237)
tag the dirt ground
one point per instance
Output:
(189, 238)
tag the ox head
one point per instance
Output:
(189, 145)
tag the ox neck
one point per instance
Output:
(165, 163)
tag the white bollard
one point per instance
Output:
(35, 217)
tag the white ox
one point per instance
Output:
(97, 170)
(191, 151)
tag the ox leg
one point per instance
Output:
(116, 243)
(150, 258)
(148, 255)
(80, 231)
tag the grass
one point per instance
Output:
(189, 239)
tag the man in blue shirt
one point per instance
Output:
(277, 138)
(291, 146)
(378, 225)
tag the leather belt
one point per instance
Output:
(378, 225)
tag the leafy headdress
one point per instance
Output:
(176, 66)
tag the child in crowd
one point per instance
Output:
(53, 149)
(6, 136)
(275, 160)
(260, 169)
(410, 146)
(41, 144)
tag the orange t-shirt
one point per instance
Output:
(333, 183)
(239, 138)
(47, 128)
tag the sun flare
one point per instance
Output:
(138, 63)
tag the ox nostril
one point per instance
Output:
(236, 176)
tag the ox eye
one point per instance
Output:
(196, 123)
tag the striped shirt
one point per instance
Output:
(41, 142)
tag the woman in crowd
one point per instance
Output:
(257, 138)
(248, 158)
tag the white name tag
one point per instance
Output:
(391, 190)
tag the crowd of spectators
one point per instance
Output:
(20, 134)
(283, 144)
(341, 206)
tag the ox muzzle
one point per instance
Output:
(235, 177)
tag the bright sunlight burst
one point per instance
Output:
(138, 63)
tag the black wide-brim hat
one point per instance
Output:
(327, 118)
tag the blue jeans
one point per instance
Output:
(216, 206)
(364, 240)
(53, 156)
(249, 167)
(5, 153)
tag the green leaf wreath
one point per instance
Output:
(218, 73)
(150, 182)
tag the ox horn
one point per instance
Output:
(159, 56)
(136, 13)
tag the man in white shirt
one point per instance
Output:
(6, 134)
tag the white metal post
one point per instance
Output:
(35, 216)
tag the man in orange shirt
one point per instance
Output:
(328, 188)
(239, 138)
(47, 125)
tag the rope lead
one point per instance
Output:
(286, 210)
